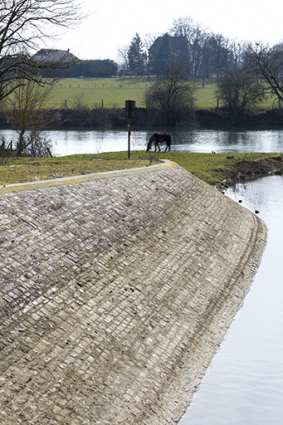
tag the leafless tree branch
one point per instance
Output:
(266, 62)
(23, 25)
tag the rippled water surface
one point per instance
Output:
(244, 385)
(66, 142)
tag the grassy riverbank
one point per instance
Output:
(216, 169)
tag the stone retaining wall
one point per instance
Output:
(115, 294)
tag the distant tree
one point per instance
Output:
(209, 53)
(97, 68)
(195, 35)
(122, 55)
(239, 91)
(137, 56)
(206, 69)
(185, 27)
(23, 25)
(237, 54)
(171, 98)
(197, 51)
(266, 63)
(148, 41)
(221, 53)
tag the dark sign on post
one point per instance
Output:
(130, 107)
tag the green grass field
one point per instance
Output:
(95, 93)
(112, 93)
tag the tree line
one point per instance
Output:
(96, 68)
(206, 53)
(245, 73)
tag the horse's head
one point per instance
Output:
(151, 140)
(149, 145)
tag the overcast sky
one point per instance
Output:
(111, 24)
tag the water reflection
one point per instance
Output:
(67, 142)
(244, 384)
(229, 141)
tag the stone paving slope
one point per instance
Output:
(115, 295)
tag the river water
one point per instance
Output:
(244, 384)
(67, 142)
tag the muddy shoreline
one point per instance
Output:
(251, 170)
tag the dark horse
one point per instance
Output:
(159, 138)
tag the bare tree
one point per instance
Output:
(122, 56)
(239, 91)
(266, 63)
(25, 111)
(186, 27)
(24, 24)
(237, 54)
(148, 41)
(171, 98)
(208, 52)
(195, 36)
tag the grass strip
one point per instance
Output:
(215, 169)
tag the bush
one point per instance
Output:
(38, 145)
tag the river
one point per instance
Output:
(67, 142)
(244, 384)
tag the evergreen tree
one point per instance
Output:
(137, 56)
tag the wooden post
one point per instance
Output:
(130, 106)
(129, 138)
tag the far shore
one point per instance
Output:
(214, 118)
